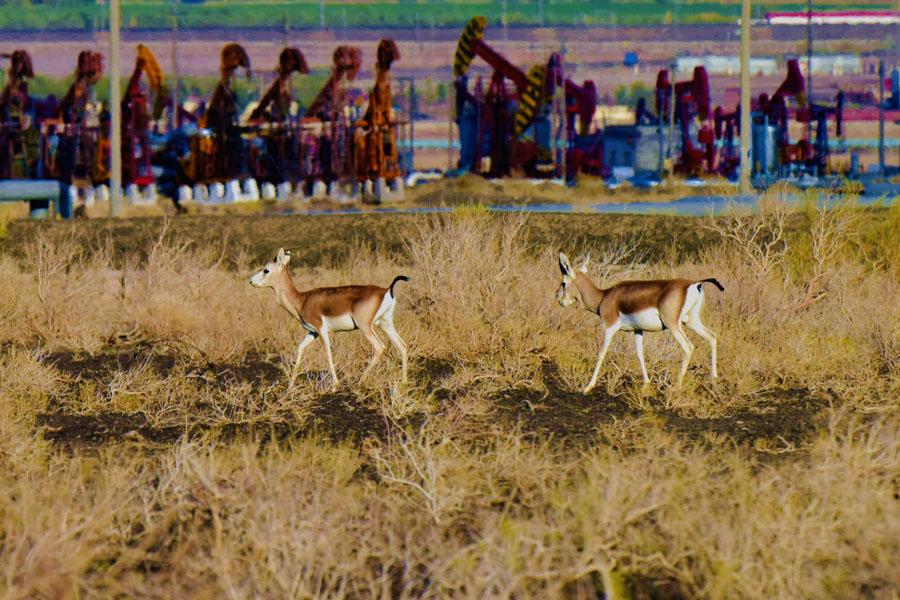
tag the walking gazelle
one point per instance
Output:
(640, 306)
(325, 310)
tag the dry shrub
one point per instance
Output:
(67, 293)
(454, 502)
(183, 295)
(475, 289)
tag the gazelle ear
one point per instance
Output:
(564, 266)
(584, 264)
(287, 257)
(283, 257)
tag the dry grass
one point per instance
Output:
(436, 492)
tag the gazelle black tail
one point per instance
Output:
(400, 278)
(715, 282)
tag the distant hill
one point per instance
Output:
(42, 15)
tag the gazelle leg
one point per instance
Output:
(377, 344)
(306, 342)
(334, 377)
(686, 346)
(639, 346)
(608, 334)
(694, 323)
(387, 326)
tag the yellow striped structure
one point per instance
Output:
(531, 99)
(473, 31)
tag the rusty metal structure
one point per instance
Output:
(328, 140)
(510, 129)
(375, 143)
(218, 152)
(692, 113)
(137, 117)
(19, 141)
(278, 155)
(79, 157)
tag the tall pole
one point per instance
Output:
(744, 182)
(881, 169)
(175, 121)
(809, 44)
(503, 19)
(672, 66)
(115, 109)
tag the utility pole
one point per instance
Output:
(672, 66)
(115, 110)
(809, 43)
(505, 36)
(881, 169)
(175, 123)
(744, 181)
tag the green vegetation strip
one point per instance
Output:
(138, 15)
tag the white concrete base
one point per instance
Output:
(233, 191)
(102, 192)
(185, 194)
(216, 192)
(251, 190)
(283, 191)
(74, 200)
(320, 189)
(133, 193)
(141, 197)
(201, 193)
(268, 191)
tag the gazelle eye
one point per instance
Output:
(265, 271)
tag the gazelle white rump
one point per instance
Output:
(640, 306)
(322, 311)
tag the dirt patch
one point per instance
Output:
(254, 368)
(785, 419)
(780, 421)
(559, 414)
(92, 430)
(337, 417)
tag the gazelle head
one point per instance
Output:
(568, 291)
(269, 274)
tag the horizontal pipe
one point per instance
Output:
(29, 189)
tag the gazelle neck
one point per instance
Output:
(286, 294)
(590, 295)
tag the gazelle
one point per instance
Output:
(325, 310)
(640, 306)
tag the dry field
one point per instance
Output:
(150, 447)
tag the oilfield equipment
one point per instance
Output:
(376, 157)
(137, 119)
(217, 149)
(505, 130)
(340, 146)
(332, 149)
(277, 153)
(351, 144)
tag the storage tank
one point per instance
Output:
(764, 148)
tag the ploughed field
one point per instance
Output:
(151, 445)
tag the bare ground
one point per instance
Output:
(786, 418)
(790, 416)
